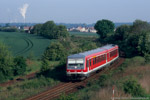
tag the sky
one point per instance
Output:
(73, 11)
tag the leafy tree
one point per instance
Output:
(104, 27)
(6, 63)
(62, 31)
(55, 52)
(122, 32)
(134, 40)
(36, 29)
(88, 46)
(45, 66)
(147, 57)
(140, 26)
(50, 30)
(20, 66)
(144, 43)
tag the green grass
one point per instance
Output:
(23, 44)
(27, 88)
(33, 66)
(84, 34)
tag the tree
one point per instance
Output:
(6, 63)
(144, 43)
(88, 46)
(104, 27)
(62, 31)
(36, 29)
(45, 66)
(122, 32)
(139, 26)
(55, 52)
(19, 66)
(52, 31)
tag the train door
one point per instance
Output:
(108, 56)
(87, 65)
(90, 64)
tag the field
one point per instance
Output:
(23, 44)
(83, 34)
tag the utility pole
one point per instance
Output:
(113, 88)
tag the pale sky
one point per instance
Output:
(74, 11)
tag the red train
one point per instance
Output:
(81, 65)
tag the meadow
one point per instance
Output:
(23, 44)
(84, 34)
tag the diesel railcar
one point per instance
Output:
(81, 65)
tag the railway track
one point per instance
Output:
(70, 87)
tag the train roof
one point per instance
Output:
(86, 53)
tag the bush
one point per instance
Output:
(37, 83)
(20, 66)
(138, 60)
(2, 77)
(132, 87)
(55, 52)
(102, 80)
(45, 67)
(6, 63)
(147, 57)
(67, 97)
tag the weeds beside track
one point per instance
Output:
(70, 87)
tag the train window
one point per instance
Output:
(90, 62)
(93, 61)
(98, 58)
(81, 65)
(104, 57)
(87, 63)
(113, 53)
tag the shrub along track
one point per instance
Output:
(70, 87)
(27, 48)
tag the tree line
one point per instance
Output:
(50, 30)
(133, 40)
(8, 29)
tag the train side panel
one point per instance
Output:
(92, 61)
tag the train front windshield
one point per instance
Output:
(75, 64)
